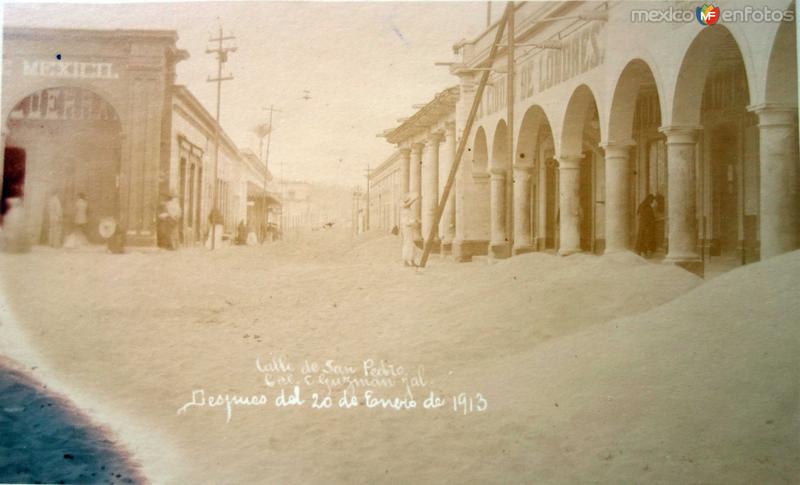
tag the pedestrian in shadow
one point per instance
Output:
(645, 240)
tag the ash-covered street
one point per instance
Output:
(592, 368)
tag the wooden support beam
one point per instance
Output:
(510, 124)
(462, 144)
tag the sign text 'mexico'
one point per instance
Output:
(69, 69)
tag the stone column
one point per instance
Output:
(778, 155)
(523, 242)
(569, 204)
(448, 224)
(405, 160)
(618, 192)
(681, 196)
(415, 186)
(498, 245)
(430, 183)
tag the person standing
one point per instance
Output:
(14, 230)
(215, 222)
(645, 241)
(81, 219)
(174, 213)
(55, 221)
(407, 222)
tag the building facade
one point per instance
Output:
(385, 194)
(97, 112)
(245, 190)
(611, 105)
(426, 143)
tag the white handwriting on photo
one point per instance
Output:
(330, 384)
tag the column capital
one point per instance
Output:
(435, 137)
(498, 172)
(772, 114)
(569, 162)
(417, 147)
(618, 149)
(450, 127)
(618, 144)
(681, 133)
(404, 151)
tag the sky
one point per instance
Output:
(364, 65)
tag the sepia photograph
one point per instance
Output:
(399, 242)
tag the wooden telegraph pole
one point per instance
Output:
(222, 58)
(462, 143)
(510, 124)
(266, 157)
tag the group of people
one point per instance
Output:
(53, 226)
(16, 237)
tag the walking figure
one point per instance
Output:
(645, 241)
(408, 222)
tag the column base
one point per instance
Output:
(447, 248)
(568, 251)
(523, 249)
(499, 250)
(541, 244)
(599, 246)
(690, 263)
(464, 250)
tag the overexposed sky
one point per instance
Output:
(365, 65)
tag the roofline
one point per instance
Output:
(25, 31)
(411, 125)
(385, 164)
(183, 92)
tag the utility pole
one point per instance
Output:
(366, 216)
(266, 157)
(511, 34)
(271, 109)
(222, 58)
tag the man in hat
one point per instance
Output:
(408, 222)
(175, 214)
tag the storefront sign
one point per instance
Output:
(580, 53)
(63, 104)
(69, 69)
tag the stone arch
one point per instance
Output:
(480, 152)
(580, 167)
(500, 146)
(533, 121)
(687, 99)
(71, 138)
(636, 75)
(18, 94)
(781, 82)
(581, 103)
